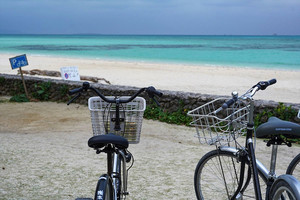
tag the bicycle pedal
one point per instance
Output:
(125, 193)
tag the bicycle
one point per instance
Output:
(294, 166)
(116, 123)
(227, 171)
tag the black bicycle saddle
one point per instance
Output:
(99, 141)
(276, 126)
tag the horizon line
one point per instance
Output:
(125, 34)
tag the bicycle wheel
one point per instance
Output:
(285, 187)
(294, 167)
(104, 189)
(217, 176)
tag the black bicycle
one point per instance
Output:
(231, 171)
(116, 123)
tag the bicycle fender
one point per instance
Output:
(102, 181)
(229, 149)
(293, 182)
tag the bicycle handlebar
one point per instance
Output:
(262, 85)
(151, 91)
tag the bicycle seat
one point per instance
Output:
(99, 141)
(276, 126)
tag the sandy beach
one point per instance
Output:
(44, 155)
(175, 77)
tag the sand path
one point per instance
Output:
(44, 155)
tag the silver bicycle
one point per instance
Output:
(116, 123)
(231, 171)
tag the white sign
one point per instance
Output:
(70, 73)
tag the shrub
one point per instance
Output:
(19, 98)
(281, 111)
(179, 117)
(42, 91)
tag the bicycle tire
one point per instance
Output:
(285, 187)
(209, 179)
(294, 167)
(104, 189)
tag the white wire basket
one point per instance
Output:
(103, 117)
(223, 127)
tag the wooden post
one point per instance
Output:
(24, 83)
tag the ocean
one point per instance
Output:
(280, 52)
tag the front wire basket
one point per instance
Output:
(223, 127)
(103, 117)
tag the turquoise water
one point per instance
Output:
(282, 52)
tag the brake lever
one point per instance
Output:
(157, 103)
(74, 98)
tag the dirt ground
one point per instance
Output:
(44, 155)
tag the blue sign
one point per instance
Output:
(18, 61)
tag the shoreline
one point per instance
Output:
(215, 80)
(153, 62)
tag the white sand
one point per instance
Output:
(176, 77)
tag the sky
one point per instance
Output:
(179, 17)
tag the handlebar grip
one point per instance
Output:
(272, 81)
(228, 103)
(158, 93)
(74, 91)
(152, 91)
(262, 85)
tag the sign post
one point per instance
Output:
(19, 62)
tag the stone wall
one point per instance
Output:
(170, 102)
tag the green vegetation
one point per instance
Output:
(64, 89)
(42, 91)
(18, 88)
(281, 111)
(179, 117)
(19, 98)
(2, 80)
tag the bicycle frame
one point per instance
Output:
(116, 161)
(251, 150)
(255, 165)
(109, 142)
(260, 166)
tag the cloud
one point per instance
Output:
(150, 16)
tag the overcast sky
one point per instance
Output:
(196, 17)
